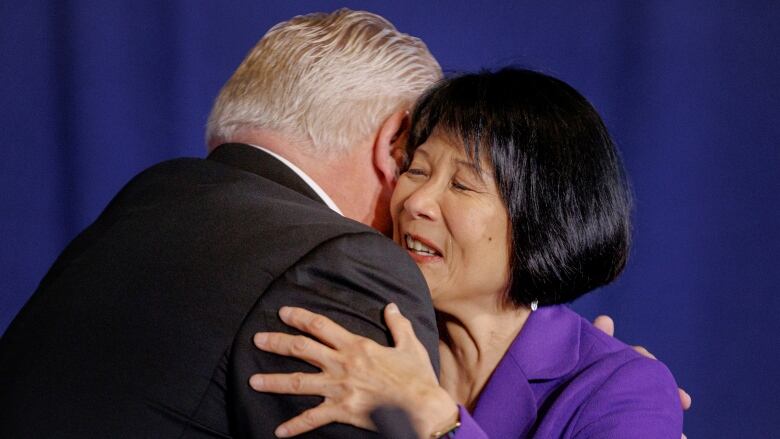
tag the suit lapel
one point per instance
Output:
(546, 349)
(507, 406)
(256, 161)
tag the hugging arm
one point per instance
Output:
(358, 375)
(607, 326)
(640, 396)
(350, 280)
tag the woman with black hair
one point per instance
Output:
(514, 203)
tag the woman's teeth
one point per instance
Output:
(419, 247)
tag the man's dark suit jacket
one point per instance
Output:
(143, 326)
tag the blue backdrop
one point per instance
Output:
(95, 91)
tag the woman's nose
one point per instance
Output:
(423, 202)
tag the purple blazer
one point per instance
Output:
(563, 378)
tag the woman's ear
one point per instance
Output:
(389, 146)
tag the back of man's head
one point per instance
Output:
(323, 81)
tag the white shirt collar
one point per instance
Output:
(312, 184)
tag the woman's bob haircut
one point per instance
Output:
(556, 168)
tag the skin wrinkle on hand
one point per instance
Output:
(361, 357)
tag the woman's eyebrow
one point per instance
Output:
(421, 152)
(481, 173)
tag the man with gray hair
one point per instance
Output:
(143, 326)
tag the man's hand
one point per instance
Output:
(606, 325)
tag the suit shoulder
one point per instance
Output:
(357, 243)
(162, 180)
(169, 167)
(360, 272)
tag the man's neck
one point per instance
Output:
(305, 177)
(346, 178)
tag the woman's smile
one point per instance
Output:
(421, 249)
(452, 222)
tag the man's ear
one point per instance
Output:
(389, 146)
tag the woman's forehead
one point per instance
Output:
(465, 153)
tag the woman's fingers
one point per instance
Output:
(325, 329)
(323, 414)
(297, 346)
(357, 374)
(400, 327)
(297, 383)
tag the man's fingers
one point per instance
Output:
(400, 327)
(605, 324)
(297, 383)
(297, 346)
(325, 329)
(685, 399)
(644, 352)
(319, 416)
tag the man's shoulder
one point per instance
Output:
(360, 245)
(208, 185)
(210, 213)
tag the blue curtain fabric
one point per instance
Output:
(94, 92)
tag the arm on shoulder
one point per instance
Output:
(349, 279)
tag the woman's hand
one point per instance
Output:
(357, 374)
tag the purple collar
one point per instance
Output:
(547, 348)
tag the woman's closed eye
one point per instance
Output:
(417, 172)
(458, 186)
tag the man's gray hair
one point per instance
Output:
(325, 80)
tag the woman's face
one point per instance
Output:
(453, 223)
